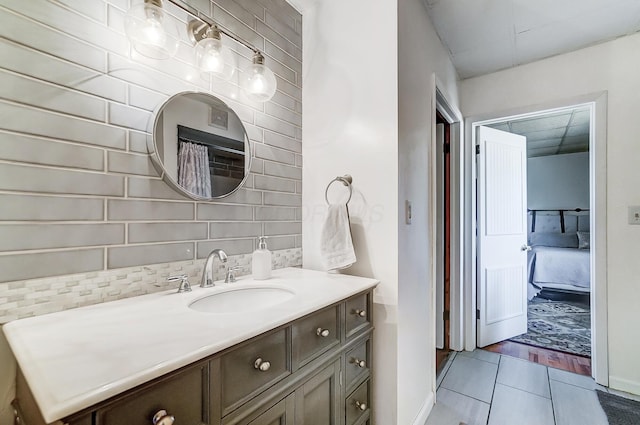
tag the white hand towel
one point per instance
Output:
(336, 246)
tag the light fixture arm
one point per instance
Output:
(198, 28)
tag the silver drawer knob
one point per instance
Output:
(359, 363)
(361, 406)
(162, 418)
(360, 313)
(322, 332)
(261, 365)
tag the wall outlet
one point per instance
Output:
(634, 215)
(407, 212)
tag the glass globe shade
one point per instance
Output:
(214, 58)
(151, 33)
(258, 83)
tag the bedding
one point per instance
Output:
(567, 269)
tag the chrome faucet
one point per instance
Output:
(207, 281)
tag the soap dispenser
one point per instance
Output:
(261, 260)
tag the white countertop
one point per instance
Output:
(77, 358)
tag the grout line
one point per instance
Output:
(553, 406)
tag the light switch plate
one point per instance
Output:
(407, 211)
(634, 215)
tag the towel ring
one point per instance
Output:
(345, 180)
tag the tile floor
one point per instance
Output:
(484, 388)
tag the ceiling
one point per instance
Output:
(555, 133)
(484, 36)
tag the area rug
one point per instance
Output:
(619, 410)
(558, 325)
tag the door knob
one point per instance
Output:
(525, 248)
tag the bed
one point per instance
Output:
(560, 258)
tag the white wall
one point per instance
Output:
(350, 127)
(368, 99)
(420, 55)
(558, 181)
(613, 67)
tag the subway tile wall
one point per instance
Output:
(78, 193)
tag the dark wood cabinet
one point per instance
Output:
(313, 371)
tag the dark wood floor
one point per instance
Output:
(441, 356)
(556, 359)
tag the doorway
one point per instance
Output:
(443, 240)
(595, 105)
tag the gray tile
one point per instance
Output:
(42, 123)
(281, 170)
(513, 406)
(138, 141)
(442, 414)
(275, 124)
(138, 255)
(285, 100)
(126, 116)
(145, 99)
(42, 38)
(290, 89)
(230, 246)
(224, 212)
(275, 214)
(19, 237)
(149, 210)
(479, 354)
(31, 266)
(576, 406)
(286, 29)
(283, 114)
(282, 199)
(122, 162)
(524, 375)
(280, 55)
(91, 9)
(229, 230)
(238, 27)
(274, 154)
(282, 228)
(471, 377)
(49, 208)
(279, 40)
(243, 196)
(254, 133)
(34, 150)
(48, 96)
(469, 410)
(48, 68)
(36, 179)
(165, 232)
(274, 184)
(238, 11)
(152, 188)
(573, 379)
(281, 242)
(446, 367)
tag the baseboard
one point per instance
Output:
(423, 415)
(625, 385)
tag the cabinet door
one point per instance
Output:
(280, 414)
(318, 399)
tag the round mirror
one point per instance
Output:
(199, 146)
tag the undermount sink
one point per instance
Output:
(239, 300)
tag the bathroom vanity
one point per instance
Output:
(295, 349)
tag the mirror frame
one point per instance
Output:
(152, 149)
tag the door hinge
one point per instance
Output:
(477, 149)
(478, 314)
(445, 315)
(340, 378)
(447, 148)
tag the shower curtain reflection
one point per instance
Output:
(193, 169)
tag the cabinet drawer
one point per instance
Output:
(314, 334)
(357, 404)
(183, 396)
(358, 313)
(253, 367)
(357, 363)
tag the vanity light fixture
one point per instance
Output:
(258, 81)
(150, 31)
(152, 34)
(211, 55)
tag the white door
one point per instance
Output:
(502, 235)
